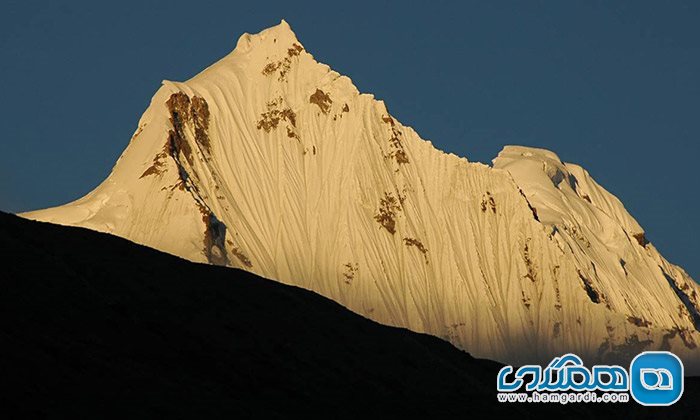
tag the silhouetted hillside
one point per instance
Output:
(92, 325)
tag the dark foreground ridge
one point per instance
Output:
(94, 326)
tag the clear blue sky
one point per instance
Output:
(613, 86)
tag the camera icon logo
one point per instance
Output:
(656, 378)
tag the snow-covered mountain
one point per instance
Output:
(272, 162)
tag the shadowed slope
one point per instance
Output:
(92, 323)
(95, 325)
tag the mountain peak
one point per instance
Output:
(282, 29)
(278, 36)
(283, 24)
(271, 162)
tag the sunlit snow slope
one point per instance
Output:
(272, 162)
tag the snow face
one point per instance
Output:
(272, 162)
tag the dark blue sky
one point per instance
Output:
(613, 86)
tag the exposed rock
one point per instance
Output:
(271, 68)
(242, 257)
(322, 100)
(158, 165)
(386, 215)
(591, 291)
(488, 202)
(531, 272)
(295, 50)
(184, 111)
(640, 322)
(284, 65)
(275, 114)
(412, 242)
(641, 239)
(200, 116)
(214, 236)
(396, 149)
(349, 273)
